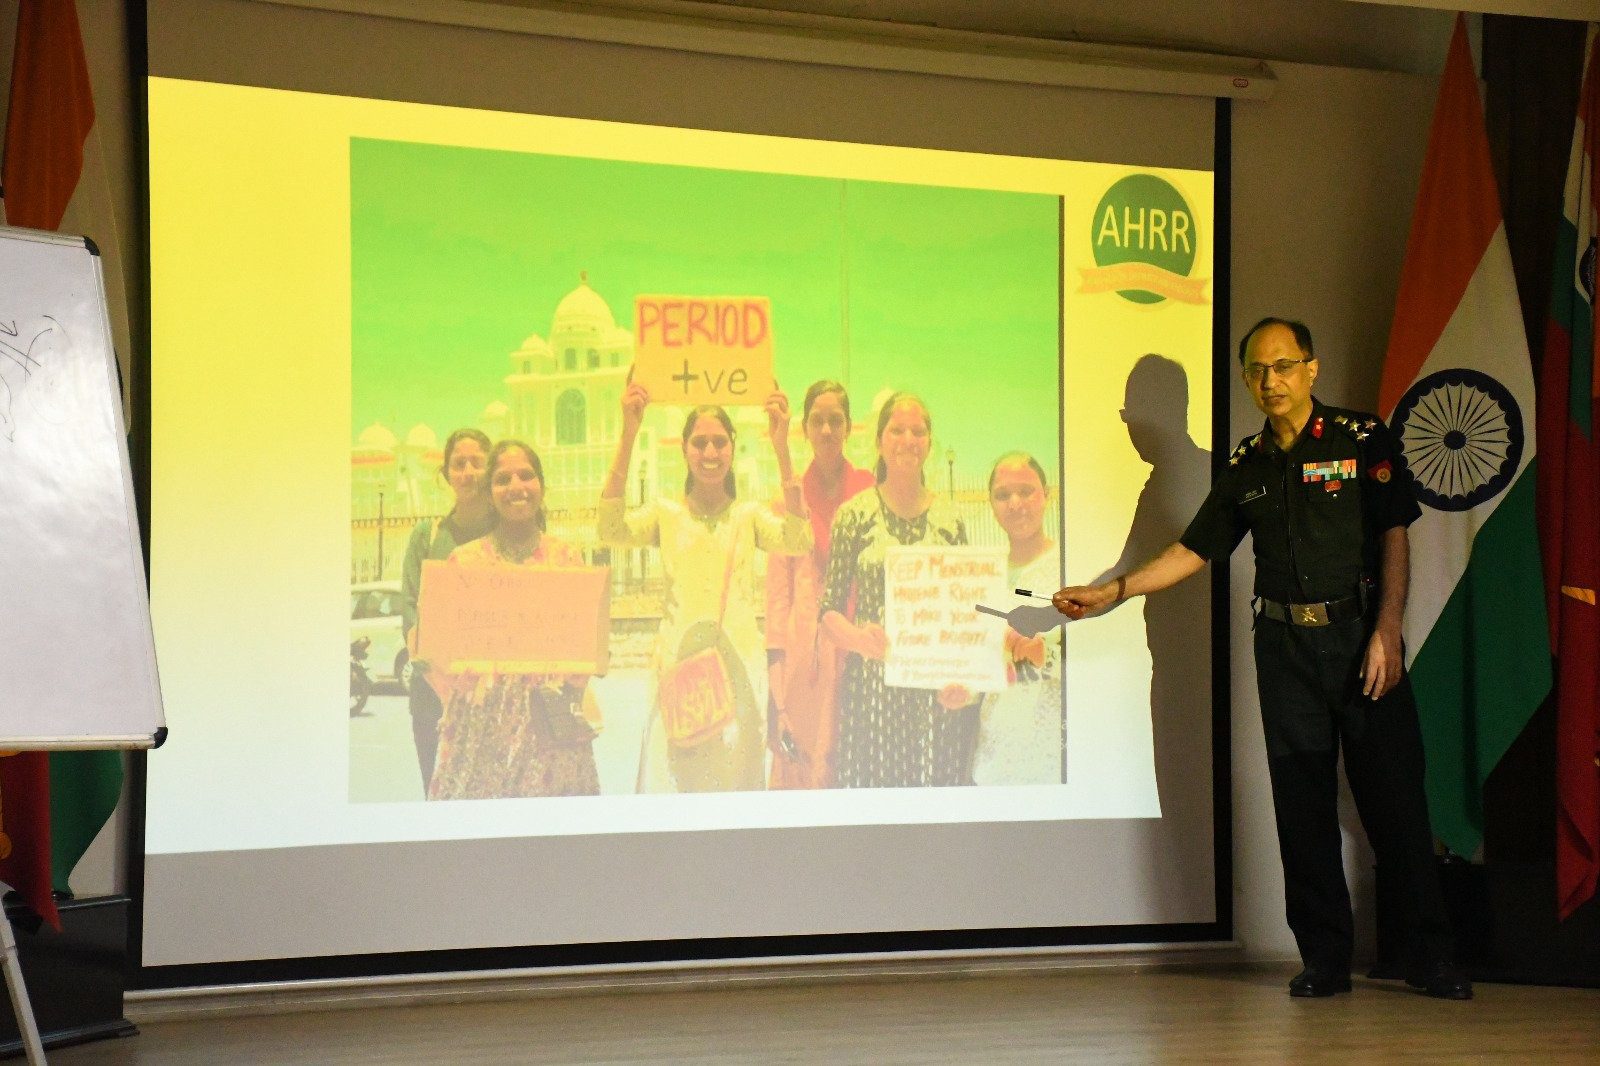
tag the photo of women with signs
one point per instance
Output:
(1019, 731)
(804, 664)
(889, 736)
(508, 732)
(708, 658)
(465, 453)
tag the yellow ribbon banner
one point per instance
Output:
(1142, 277)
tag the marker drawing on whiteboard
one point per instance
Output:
(25, 369)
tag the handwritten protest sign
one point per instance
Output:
(704, 349)
(936, 638)
(524, 619)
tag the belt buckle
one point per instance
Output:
(1308, 614)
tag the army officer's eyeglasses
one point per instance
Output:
(1255, 373)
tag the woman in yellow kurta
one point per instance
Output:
(506, 732)
(708, 540)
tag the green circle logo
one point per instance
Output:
(1145, 222)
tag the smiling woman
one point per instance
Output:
(889, 736)
(507, 732)
(710, 680)
(1019, 734)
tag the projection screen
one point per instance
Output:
(1012, 289)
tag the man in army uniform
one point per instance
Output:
(1326, 497)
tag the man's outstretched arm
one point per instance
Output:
(1164, 571)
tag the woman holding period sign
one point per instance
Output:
(708, 654)
(507, 732)
(892, 737)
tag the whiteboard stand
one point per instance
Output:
(20, 1006)
(71, 561)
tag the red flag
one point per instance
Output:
(25, 829)
(52, 109)
(51, 113)
(1569, 507)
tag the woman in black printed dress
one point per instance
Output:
(892, 737)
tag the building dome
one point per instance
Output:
(423, 437)
(533, 345)
(376, 438)
(583, 311)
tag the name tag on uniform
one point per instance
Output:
(1335, 470)
(1253, 494)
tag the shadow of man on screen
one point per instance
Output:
(1156, 412)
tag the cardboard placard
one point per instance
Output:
(704, 349)
(522, 619)
(936, 637)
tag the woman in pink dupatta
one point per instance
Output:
(803, 663)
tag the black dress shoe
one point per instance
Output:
(1314, 984)
(1442, 981)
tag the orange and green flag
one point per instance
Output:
(1457, 390)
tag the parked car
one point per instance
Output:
(375, 614)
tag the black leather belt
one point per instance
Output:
(1312, 614)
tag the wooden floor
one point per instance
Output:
(1240, 1015)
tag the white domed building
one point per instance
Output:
(373, 464)
(563, 396)
(422, 490)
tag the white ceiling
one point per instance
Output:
(1377, 34)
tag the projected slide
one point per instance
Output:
(649, 477)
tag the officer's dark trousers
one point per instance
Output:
(1311, 703)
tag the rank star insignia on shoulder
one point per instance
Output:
(1356, 427)
(1243, 450)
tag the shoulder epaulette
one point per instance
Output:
(1243, 450)
(1358, 426)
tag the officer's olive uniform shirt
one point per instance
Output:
(1317, 511)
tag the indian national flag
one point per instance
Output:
(1458, 392)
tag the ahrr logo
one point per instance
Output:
(1144, 240)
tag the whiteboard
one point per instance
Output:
(77, 660)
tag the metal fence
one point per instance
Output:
(377, 549)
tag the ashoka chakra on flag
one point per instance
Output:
(1461, 436)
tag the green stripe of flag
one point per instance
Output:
(1475, 688)
(1581, 384)
(1569, 306)
(84, 789)
(1566, 258)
